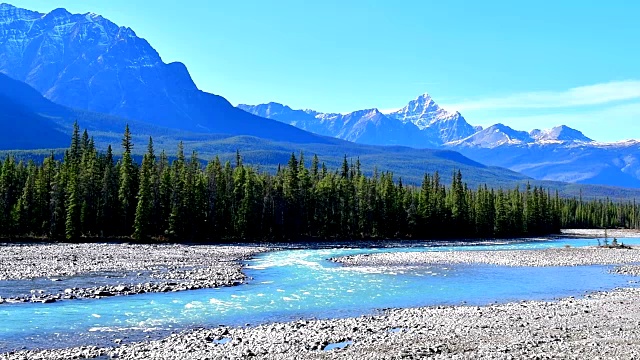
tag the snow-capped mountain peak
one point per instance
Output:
(493, 136)
(500, 134)
(441, 125)
(422, 111)
(561, 133)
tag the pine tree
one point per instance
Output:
(178, 203)
(127, 180)
(144, 209)
(72, 206)
(108, 204)
(25, 215)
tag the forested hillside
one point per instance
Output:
(90, 195)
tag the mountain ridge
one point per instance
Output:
(557, 154)
(85, 61)
(439, 127)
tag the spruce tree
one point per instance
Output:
(127, 180)
(72, 206)
(144, 208)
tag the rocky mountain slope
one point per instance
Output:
(20, 126)
(85, 61)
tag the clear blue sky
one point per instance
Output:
(528, 64)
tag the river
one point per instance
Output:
(300, 283)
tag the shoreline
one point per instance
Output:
(599, 233)
(627, 259)
(598, 325)
(181, 267)
(62, 269)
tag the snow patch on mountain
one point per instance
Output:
(493, 136)
(501, 135)
(559, 133)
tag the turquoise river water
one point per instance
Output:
(293, 284)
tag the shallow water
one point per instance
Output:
(295, 284)
(54, 285)
(338, 345)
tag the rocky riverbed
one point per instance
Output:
(600, 233)
(547, 257)
(598, 326)
(158, 268)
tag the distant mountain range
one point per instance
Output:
(559, 154)
(64, 67)
(422, 123)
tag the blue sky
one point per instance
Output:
(525, 64)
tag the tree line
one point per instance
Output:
(90, 194)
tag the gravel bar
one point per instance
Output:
(599, 326)
(599, 233)
(546, 257)
(170, 267)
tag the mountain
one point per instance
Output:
(440, 125)
(615, 164)
(20, 126)
(368, 126)
(30, 121)
(495, 135)
(557, 154)
(420, 124)
(559, 133)
(85, 61)
(500, 135)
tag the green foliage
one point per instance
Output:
(144, 210)
(88, 194)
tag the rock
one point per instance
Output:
(121, 288)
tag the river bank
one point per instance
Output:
(598, 326)
(600, 233)
(120, 269)
(546, 257)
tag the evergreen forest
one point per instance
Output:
(91, 195)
